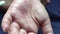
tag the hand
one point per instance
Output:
(28, 14)
(14, 29)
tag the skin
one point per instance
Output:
(26, 17)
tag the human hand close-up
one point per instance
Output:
(26, 17)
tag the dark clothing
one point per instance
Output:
(53, 9)
(2, 12)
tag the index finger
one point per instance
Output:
(7, 19)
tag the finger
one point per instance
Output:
(14, 29)
(22, 31)
(31, 33)
(29, 25)
(7, 19)
(46, 27)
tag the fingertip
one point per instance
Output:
(14, 28)
(22, 31)
(31, 33)
(5, 25)
(5, 28)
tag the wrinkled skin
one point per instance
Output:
(26, 17)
